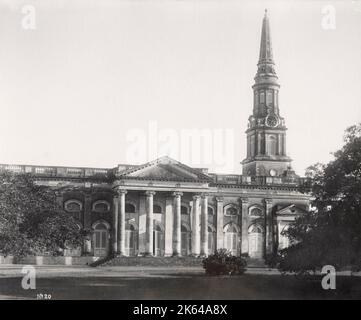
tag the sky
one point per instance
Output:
(98, 83)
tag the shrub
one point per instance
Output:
(223, 262)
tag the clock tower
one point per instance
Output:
(266, 133)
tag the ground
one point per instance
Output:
(119, 282)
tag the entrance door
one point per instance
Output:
(211, 241)
(231, 238)
(255, 240)
(158, 241)
(185, 241)
(130, 240)
(101, 240)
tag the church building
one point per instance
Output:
(166, 208)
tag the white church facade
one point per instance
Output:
(166, 208)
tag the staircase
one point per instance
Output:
(255, 263)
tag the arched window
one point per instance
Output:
(269, 96)
(211, 240)
(101, 206)
(272, 146)
(255, 241)
(158, 240)
(210, 211)
(261, 97)
(130, 227)
(129, 208)
(184, 210)
(255, 212)
(101, 239)
(231, 239)
(252, 146)
(231, 211)
(231, 228)
(283, 238)
(73, 205)
(157, 209)
(255, 229)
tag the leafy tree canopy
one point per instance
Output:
(331, 232)
(31, 221)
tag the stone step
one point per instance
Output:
(154, 261)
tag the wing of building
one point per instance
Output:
(166, 208)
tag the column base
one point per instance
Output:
(147, 254)
(195, 255)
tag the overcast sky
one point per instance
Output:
(74, 89)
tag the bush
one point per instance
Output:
(222, 262)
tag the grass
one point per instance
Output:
(166, 285)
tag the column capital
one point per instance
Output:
(121, 191)
(150, 193)
(204, 195)
(268, 201)
(87, 193)
(244, 200)
(219, 199)
(196, 197)
(177, 194)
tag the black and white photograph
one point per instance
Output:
(190, 151)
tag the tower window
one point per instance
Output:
(269, 97)
(252, 146)
(272, 146)
(261, 97)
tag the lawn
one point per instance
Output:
(173, 283)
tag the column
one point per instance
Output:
(149, 223)
(220, 235)
(87, 211)
(115, 224)
(177, 245)
(168, 236)
(204, 225)
(87, 223)
(269, 226)
(195, 226)
(284, 144)
(244, 244)
(121, 222)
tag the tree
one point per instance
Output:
(331, 233)
(31, 221)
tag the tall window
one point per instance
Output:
(231, 211)
(129, 208)
(253, 146)
(184, 210)
(269, 97)
(272, 146)
(261, 97)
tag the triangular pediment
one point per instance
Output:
(290, 210)
(162, 169)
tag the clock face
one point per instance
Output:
(272, 172)
(272, 121)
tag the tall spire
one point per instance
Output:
(265, 62)
(266, 133)
(265, 53)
